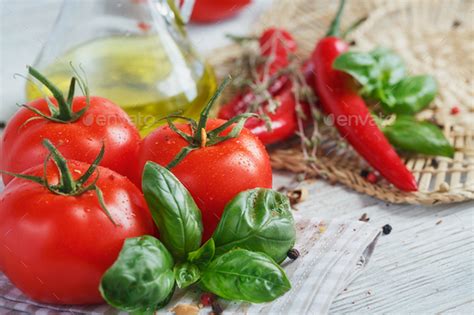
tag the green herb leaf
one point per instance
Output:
(382, 76)
(391, 67)
(242, 275)
(203, 256)
(257, 220)
(186, 274)
(361, 66)
(420, 137)
(410, 95)
(173, 209)
(141, 279)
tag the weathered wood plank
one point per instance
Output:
(425, 264)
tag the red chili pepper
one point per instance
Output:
(455, 110)
(276, 44)
(339, 98)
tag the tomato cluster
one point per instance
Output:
(65, 219)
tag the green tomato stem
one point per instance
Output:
(67, 185)
(65, 110)
(201, 138)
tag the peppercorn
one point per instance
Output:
(2, 124)
(386, 229)
(364, 173)
(364, 218)
(293, 254)
(207, 298)
(217, 308)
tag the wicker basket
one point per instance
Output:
(433, 36)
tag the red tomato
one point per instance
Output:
(213, 175)
(206, 11)
(103, 123)
(55, 248)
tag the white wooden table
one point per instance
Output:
(425, 266)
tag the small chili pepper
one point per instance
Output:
(386, 229)
(277, 44)
(207, 298)
(339, 97)
(455, 110)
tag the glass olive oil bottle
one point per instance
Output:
(132, 53)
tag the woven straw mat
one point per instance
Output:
(433, 37)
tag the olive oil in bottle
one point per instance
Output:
(147, 79)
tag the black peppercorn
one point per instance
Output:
(217, 308)
(386, 229)
(2, 124)
(364, 173)
(293, 254)
(456, 23)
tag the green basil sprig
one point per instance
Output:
(242, 275)
(382, 75)
(411, 135)
(258, 220)
(141, 280)
(186, 274)
(410, 95)
(203, 256)
(173, 209)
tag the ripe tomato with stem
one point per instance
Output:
(215, 159)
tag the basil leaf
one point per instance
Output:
(258, 220)
(203, 256)
(141, 279)
(391, 66)
(242, 275)
(173, 209)
(410, 95)
(186, 274)
(420, 137)
(361, 66)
